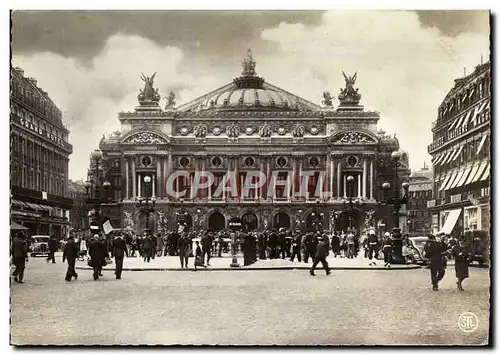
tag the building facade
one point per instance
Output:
(79, 214)
(461, 156)
(39, 156)
(246, 128)
(419, 222)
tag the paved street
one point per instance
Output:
(249, 307)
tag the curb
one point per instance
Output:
(410, 267)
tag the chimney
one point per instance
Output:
(465, 71)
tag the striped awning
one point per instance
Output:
(445, 182)
(464, 177)
(486, 173)
(466, 118)
(480, 171)
(438, 160)
(457, 180)
(446, 158)
(454, 178)
(481, 144)
(473, 173)
(457, 153)
(479, 108)
(454, 124)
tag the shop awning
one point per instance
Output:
(481, 144)
(480, 171)
(448, 157)
(486, 173)
(479, 108)
(18, 203)
(457, 153)
(455, 122)
(457, 180)
(438, 159)
(451, 181)
(451, 221)
(17, 227)
(464, 177)
(473, 173)
(445, 182)
(466, 118)
(445, 157)
(435, 159)
(33, 205)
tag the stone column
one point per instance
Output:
(134, 177)
(332, 174)
(359, 185)
(268, 175)
(126, 178)
(294, 176)
(228, 159)
(365, 177)
(158, 177)
(301, 167)
(203, 169)
(339, 167)
(153, 185)
(139, 183)
(372, 179)
(260, 189)
(345, 186)
(328, 172)
(236, 174)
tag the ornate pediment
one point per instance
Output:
(145, 138)
(352, 137)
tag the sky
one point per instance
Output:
(90, 61)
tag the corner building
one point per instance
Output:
(461, 156)
(39, 158)
(247, 126)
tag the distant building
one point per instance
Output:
(79, 214)
(461, 156)
(39, 157)
(420, 192)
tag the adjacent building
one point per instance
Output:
(39, 156)
(461, 156)
(245, 127)
(419, 222)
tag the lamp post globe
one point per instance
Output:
(87, 184)
(147, 179)
(396, 155)
(96, 154)
(106, 184)
(386, 185)
(350, 178)
(406, 185)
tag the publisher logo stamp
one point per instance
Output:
(468, 322)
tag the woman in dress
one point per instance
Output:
(406, 248)
(460, 253)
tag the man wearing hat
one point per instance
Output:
(119, 252)
(321, 254)
(70, 253)
(97, 252)
(19, 254)
(387, 249)
(372, 243)
(434, 252)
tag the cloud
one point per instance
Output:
(91, 96)
(404, 70)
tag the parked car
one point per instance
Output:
(479, 243)
(417, 250)
(39, 245)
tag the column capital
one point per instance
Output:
(369, 155)
(337, 155)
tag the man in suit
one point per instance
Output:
(119, 251)
(19, 257)
(147, 246)
(52, 249)
(183, 247)
(206, 246)
(434, 250)
(70, 253)
(296, 247)
(322, 252)
(97, 254)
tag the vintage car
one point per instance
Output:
(479, 244)
(417, 250)
(39, 245)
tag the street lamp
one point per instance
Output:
(199, 213)
(300, 220)
(397, 201)
(92, 187)
(181, 216)
(351, 206)
(146, 206)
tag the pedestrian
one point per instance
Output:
(434, 252)
(460, 253)
(310, 245)
(52, 249)
(321, 254)
(19, 252)
(262, 246)
(70, 253)
(83, 250)
(147, 247)
(183, 249)
(206, 246)
(97, 254)
(198, 256)
(335, 244)
(387, 249)
(154, 243)
(350, 244)
(296, 247)
(372, 243)
(119, 252)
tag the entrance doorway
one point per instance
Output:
(350, 219)
(249, 221)
(216, 221)
(281, 220)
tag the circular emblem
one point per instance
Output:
(281, 131)
(314, 130)
(468, 322)
(352, 161)
(217, 130)
(249, 162)
(184, 161)
(184, 131)
(249, 130)
(216, 162)
(146, 161)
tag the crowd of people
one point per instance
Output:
(283, 244)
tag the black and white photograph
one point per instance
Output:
(250, 177)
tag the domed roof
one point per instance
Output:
(250, 98)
